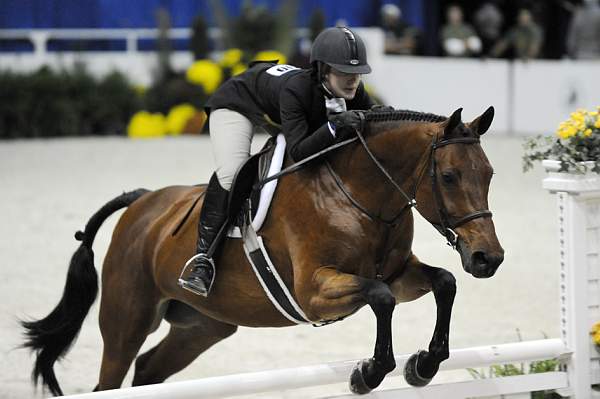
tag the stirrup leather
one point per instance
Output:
(188, 270)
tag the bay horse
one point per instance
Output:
(339, 232)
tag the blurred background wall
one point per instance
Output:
(421, 59)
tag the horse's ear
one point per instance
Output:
(482, 123)
(453, 122)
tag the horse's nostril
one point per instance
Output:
(480, 259)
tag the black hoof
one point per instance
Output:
(411, 373)
(357, 380)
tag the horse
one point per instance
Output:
(339, 231)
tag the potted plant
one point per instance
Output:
(575, 148)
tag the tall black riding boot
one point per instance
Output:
(199, 272)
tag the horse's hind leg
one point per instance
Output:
(184, 343)
(416, 281)
(125, 322)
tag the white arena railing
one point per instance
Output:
(39, 38)
(579, 232)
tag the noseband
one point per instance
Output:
(446, 224)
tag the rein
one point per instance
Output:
(300, 164)
(446, 226)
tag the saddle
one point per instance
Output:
(245, 202)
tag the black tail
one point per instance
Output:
(51, 337)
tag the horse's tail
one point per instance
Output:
(51, 337)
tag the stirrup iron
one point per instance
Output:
(188, 285)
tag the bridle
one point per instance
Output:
(446, 224)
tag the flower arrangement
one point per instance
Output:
(204, 76)
(205, 73)
(577, 140)
(146, 125)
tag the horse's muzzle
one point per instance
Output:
(480, 263)
(484, 264)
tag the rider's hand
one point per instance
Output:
(345, 124)
(382, 108)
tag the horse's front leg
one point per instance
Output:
(417, 280)
(340, 293)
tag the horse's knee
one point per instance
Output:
(443, 283)
(379, 296)
(447, 284)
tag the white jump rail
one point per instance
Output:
(330, 373)
(578, 199)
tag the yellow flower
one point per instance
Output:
(205, 73)
(231, 57)
(237, 69)
(593, 113)
(270, 55)
(178, 117)
(596, 338)
(566, 131)
(146, 125)
(587, 132)
(595, 328)
(597, 124)
(575, 114)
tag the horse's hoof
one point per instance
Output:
(411, 373)
(357, 380)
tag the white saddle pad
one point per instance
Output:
(268, 190)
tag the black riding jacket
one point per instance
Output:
(284, 98)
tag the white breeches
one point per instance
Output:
(231, 136)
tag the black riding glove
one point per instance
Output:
(382, 108)
(345, 124)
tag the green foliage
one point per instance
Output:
(174, 90)
(569, 154)
(66, 103)
(543, 366)
(509, 370)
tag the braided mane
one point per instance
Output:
(402, 115)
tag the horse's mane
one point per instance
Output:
(402, 115)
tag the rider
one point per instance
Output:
(308, 105)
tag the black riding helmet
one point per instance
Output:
(341, 49)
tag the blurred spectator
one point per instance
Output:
(584, 35)
(488, 22)
(458, 38)
(301, 56)
(524, 39)
(400, 37)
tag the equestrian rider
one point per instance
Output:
(310, 107)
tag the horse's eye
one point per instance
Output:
(448, 177)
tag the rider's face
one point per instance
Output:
(342, 84)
